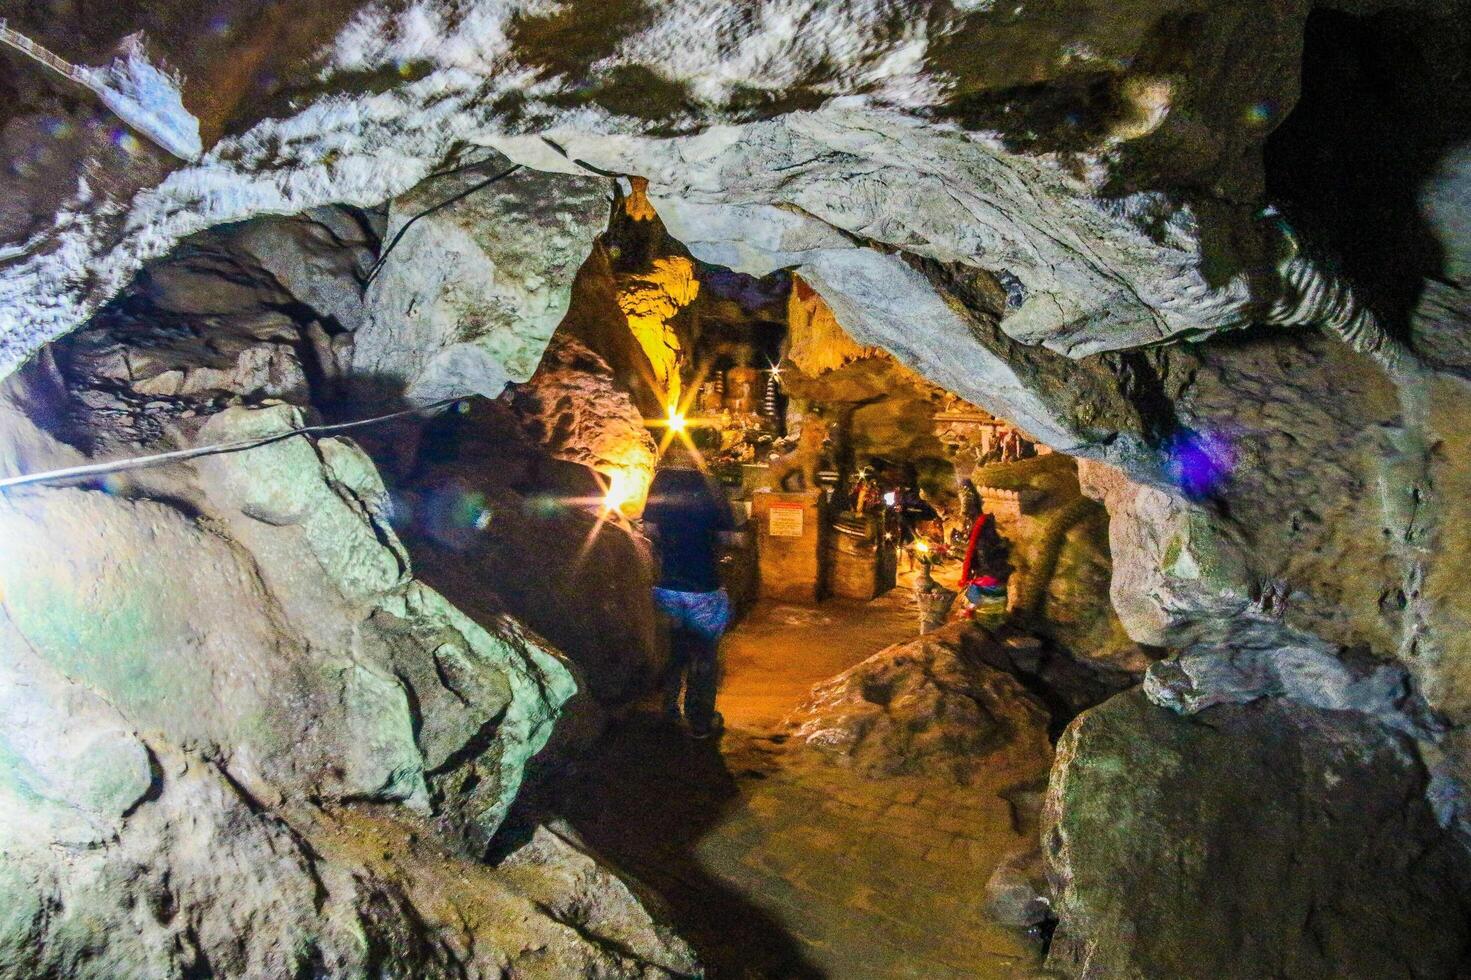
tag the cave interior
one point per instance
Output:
(1081, 397)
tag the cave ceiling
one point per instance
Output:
(1106, 163)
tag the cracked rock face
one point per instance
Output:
(321, 257)
(470, 295)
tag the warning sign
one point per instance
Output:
(786, 520)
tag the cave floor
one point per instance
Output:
(776, 864)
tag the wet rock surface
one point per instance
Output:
(1326, 806)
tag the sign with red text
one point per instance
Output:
(785, 520)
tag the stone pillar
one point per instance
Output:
(789, 540)
(863, 565)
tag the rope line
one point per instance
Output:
(23, 44)
(126, 107)
(215, 449)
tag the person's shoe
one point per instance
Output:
(717, 724)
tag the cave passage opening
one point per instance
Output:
(871, 780)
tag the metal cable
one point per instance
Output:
(378, 266)
(239, 445)
(581, 163)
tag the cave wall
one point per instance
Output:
(204, 677)
(1154, 107)
(884, 408)
(468, 294)
(251, 737)
(1055, 213)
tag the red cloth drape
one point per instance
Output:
(970, 547)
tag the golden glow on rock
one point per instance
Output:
(1149, 100)
(650, 300)
(626, 490)
(636, 205)
(818, 342)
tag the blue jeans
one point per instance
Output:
(697, 621)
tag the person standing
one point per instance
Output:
(685, 518)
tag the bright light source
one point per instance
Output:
(921, 547)
(676, 420)
(621, 490)
(891, 498)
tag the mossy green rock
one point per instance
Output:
(330, 490)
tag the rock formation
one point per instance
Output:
(1062, 560)
(248, 740)
(475, 281)
(574, 408)
(1327, 807)
(887, 409)
(925, 705)
(1082, 219)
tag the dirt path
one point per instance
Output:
(772, 659)
(777, 864)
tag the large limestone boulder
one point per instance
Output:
(207, 877)
(925, 705)
(234, 705)
(1250, 840)
(287, 590)
(471, 293)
